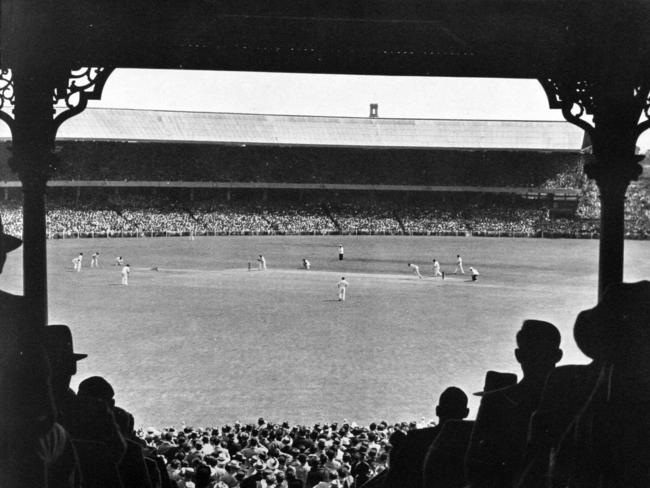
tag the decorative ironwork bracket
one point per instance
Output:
(84, 84)
(579, 98)
(7, 97)
(575, 99)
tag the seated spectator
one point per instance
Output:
(34, 449)
(85, 418)
(608, 443)
(406, 465)
(495, 454)
(444, 463)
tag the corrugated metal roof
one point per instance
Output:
(232, 128)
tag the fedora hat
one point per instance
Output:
(494, 380)
(622, 308)
(58, 344)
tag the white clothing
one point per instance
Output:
(125, 275)
(94, 261)
(416, 270)
(459, 266)
(262, 263)
(306, 264)
(436, 269)
(77, 263)
(342, 285)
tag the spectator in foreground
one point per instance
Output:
(495, 455)
(608, 441)
(444, 464)
(88, 420)
(406, 466)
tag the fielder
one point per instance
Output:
(94, 260)
(474, 272)
(262, 263)
(436, 270)
(342, 286)
(126, 270)
(459, 265)
(77, 262)
(306, 264)
(416, 269)
(341, 251)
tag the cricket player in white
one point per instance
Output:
(416, 269)
(94, 260)
(436, 269)
(306, 264)
(342, 286)
(262, 263)
(126, 270)
(77, 262)
(459, 265)
(341, 251)
(474, 272)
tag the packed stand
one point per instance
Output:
(156, 215)
(366, 219)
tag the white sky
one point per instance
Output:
(336, 95)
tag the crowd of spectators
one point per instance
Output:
(160, 217)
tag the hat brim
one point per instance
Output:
(79, 357)
(10, 243)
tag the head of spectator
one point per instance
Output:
(97, 387)
(452, 404)
(63, 359)
(221, 460)
(538, 349)
(618, 323)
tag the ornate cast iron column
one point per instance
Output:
(34, 95)
(616, 108)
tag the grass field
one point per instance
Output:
(205, 341)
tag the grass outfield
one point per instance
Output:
(205, 341)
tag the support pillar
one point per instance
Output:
(613, 181)
(33, 142)
(616, 103)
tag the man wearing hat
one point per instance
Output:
(13, 311)
(256, 475)
(495, 454)
(85, 418)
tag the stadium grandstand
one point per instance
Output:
(149, 172)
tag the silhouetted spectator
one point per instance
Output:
(85, 418)
(406, 466)
(495, 455)
(444, 464)
(608, 443)
(35, 450)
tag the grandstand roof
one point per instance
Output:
(233, 128)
